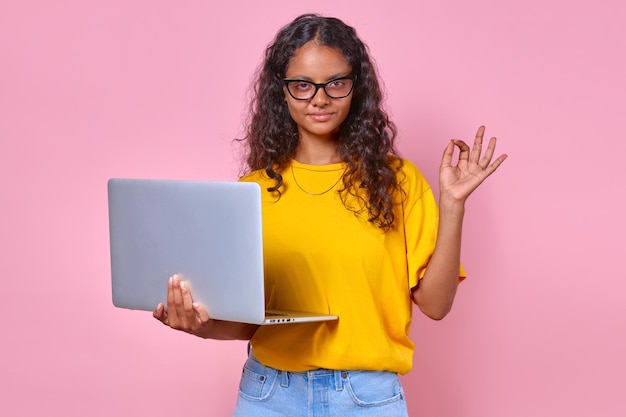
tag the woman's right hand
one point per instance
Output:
(181, 312)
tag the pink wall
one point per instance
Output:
(152, 88)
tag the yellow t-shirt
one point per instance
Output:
(321, 257)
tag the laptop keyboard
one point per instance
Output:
(270, 314)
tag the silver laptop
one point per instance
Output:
(207, 231)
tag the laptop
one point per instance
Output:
(209, 232)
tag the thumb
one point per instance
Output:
(160, 313)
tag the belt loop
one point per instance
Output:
(284, 378)
(339, 380)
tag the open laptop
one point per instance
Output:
(209, 232)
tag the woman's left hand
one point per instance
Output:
(458, 182)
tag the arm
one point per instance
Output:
(183, 314)
(435, 292)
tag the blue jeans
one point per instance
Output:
(268, 392)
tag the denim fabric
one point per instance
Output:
(268, 392)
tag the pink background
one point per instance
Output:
(153, 88)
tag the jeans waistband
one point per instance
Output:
(338, 375)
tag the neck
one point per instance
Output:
(317, 152)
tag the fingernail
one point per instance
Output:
(183, 285)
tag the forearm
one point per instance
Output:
(435, 292)
(226, 330)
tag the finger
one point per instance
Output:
(203, 315)
(170, 293)
(178, 299)
(491, 148)
(174, 318)
(499, 160)
(448, 152)
(478, 144)
(465, 150)
(190, 313)
(160, 313)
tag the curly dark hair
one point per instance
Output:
(366, 137)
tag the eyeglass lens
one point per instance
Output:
(305, 90)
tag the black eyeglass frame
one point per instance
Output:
(317, 86)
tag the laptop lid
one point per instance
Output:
(209, 232)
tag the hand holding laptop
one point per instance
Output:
(182, 313)
(185, 315)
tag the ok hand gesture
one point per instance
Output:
(458, 182)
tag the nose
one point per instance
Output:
(320, 98)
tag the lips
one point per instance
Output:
(320, 117)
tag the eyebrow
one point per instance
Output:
(332, 77)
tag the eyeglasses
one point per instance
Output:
(306, 90)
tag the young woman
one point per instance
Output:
(350, 229)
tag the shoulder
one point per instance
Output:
(410, 178)
(259, 176)
(266, 183)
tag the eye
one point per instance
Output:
(337, 84)
(300, 86)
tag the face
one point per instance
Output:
(320, 117)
